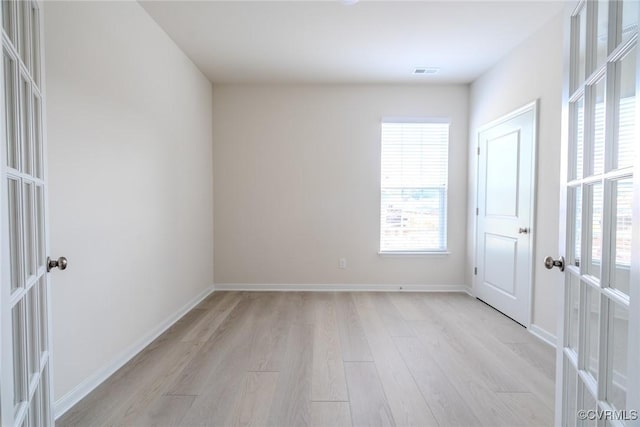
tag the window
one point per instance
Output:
(413, 191)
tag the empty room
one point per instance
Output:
(320, 213)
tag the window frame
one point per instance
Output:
(444, 199)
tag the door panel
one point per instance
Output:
(596, 128)
(577, 137)
(501, 188)
(621, 213)
(593, 229)
(624, 116)
(575, 216)
(19, 355)
(24, 371)
(573, 313)
(596, 357)
(616, 389)
(591, 330)
(10, 87)
(629, 25)
(498, 273)
(15, 236)
(570, 397)
(579, 51)
(504, 221)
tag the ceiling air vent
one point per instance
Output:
(426, 70)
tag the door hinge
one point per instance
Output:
(477, 211)
(478, 150)
(475, 271)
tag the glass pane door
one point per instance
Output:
(595, 354)
(25, 368)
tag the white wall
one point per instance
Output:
(532, 71)
(296, 183)
(130, 196)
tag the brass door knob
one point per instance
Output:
(60, 263)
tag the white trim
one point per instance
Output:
(416, 119)
(67, 401)
(414, 253)
(535, 106)
(564, 219)
(633, 340)
(543, 335)
(6, 356)
(338, 287)
(532, 105)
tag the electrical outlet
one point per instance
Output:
(343, 263)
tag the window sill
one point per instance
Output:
(413, 253)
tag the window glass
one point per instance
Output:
(413, 196)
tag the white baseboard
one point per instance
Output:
(543, 335)
(67, 401)
(338, 287)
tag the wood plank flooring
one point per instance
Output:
(331, 359)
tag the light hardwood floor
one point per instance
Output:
(332, 359)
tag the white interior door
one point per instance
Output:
(598, 365)
(506, 164)
(24, 367)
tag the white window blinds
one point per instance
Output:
(413, 193)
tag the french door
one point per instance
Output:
(24, 367)
(598, 381)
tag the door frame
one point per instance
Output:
(534, 107)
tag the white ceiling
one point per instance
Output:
(331, 42)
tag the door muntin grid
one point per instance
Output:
(602, 103)
(25, 295)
